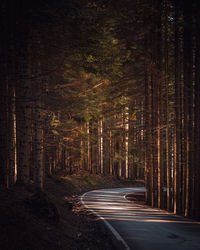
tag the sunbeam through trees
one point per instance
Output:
(109, 87)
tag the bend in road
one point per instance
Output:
(141, 227)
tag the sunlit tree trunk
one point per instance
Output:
(95, 148)
(82, 148)
(131, 141)
(110, 150)
(106, 145)
(101, 141)
(126, 142)
(88, 146)
(11, 135)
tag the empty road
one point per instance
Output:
(141, 227)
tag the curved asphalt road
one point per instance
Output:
(140, 227)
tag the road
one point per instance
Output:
(140, 227)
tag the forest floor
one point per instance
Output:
(55, 219)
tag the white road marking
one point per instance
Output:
(114, 232)
(141, 227)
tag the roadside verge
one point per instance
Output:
(118, 240)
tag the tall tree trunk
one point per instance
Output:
(148, 133)
(23, 97)
(101, 147)
(3, 104)
(37, 112)
(126, 123)
(188, 93)
(177, 166)
(197, 113)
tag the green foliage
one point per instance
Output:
(55, 123)
(101, 71)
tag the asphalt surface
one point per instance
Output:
(140, 227)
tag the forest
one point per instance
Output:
(111, 87)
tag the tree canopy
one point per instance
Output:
(111, 87)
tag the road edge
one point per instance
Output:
(106, 223)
